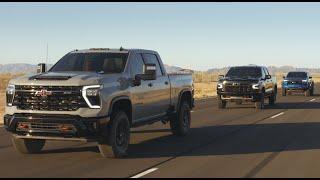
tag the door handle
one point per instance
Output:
(166, 83)
(150, 84)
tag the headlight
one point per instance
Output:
(92, 92)
(220, 85)
(285, 80)
(305, 80)
(10, 94)
(91, 95)
(10, 89)
(256, 86)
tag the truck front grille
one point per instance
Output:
(49, 98)
(237, 89)
(294, 82)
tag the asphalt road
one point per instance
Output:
(240, 141)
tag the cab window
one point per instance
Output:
(152, 59)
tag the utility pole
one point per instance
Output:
(47, 54)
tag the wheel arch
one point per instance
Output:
(185, 94)
(124, 103)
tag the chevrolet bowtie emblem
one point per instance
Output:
(43, 93)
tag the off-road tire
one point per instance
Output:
(284, 92)
(116, 143)
(273, 98)
(222, 104)
(260, 104)
(312, 91)
(180, 124)
(307, 93)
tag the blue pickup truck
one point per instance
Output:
(297, 82)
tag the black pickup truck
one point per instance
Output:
(246, 83)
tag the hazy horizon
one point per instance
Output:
(196, 36)
(174, 66)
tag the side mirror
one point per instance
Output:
(150, 73)
(41, 68)
(310, 77)
(220, 76)
(283, 77)
(268, 77)
(137, 80)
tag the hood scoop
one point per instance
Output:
(50, 76)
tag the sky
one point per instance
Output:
(198, 36)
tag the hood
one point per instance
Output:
(60, 79)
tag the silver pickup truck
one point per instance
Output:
(97, 95)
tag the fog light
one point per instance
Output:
(66, 128)
(23, 125)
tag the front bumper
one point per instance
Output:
(296, 87)
(55, 127)
(253, 96)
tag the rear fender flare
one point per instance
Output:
(180, 98)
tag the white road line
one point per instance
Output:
(145, 173)
(277, 115)
(312, 100)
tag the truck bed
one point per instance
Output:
(178, 82)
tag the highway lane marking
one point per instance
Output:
(277, 115)
(145, 173)
(312, 100)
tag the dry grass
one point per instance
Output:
(203, 90)
(2, 101)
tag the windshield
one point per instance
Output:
(244, 72)
(92, 62)
(297, 75)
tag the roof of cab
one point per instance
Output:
(298, 72)
(110, 50)
(251, 65)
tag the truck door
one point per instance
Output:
(159, 97)
(139, 93)
(268, 82)
(146, 97)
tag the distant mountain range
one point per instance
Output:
(31, 68)
(18, 68)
